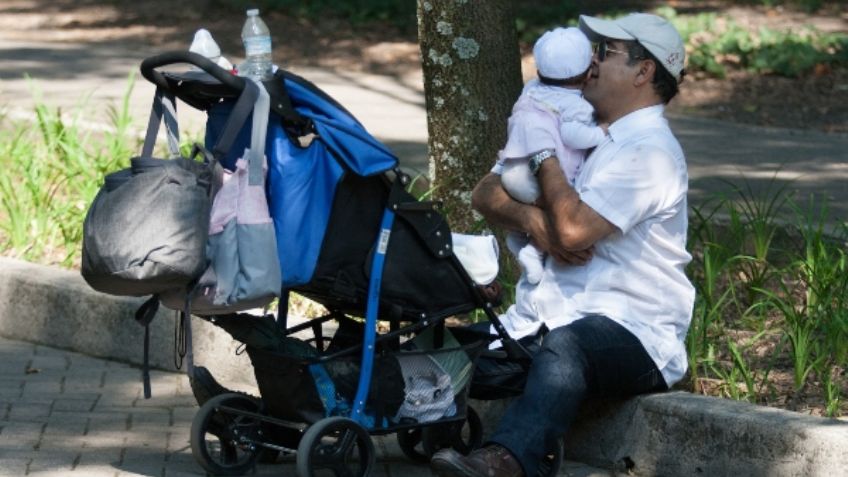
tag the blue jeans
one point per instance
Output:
(592, 357)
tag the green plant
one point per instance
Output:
(716, 44)
(51, 173)
(733, 373)
(754, 217)
(832, 386)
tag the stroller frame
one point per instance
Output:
(240, 421)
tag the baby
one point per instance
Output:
(550, 114)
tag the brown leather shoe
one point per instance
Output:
(489, 461)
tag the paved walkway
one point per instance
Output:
(64, 413)
(69, 75)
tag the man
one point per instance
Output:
(615, 297)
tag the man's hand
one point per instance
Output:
(580, 257)
(543, 240)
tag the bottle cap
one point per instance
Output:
(253, 12)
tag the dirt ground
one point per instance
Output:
(818, 101)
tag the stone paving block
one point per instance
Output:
(184, 386)
(163, 401)
(58, 443)
(189, 473)
(28, 412)
(53, 461)
(11, 388)
(48, 398)
(67, 422)
(81, 361)
(141, 464)
(13, 468)
(45, 399)
(51, 386)
(12, 428)
(179, 440)
(104, 439)
(105, 422)
(82, 381)
(182, 457)
(48, 359)
(94, 471)
(125, 383)
(146, 443)
(184, 415)
(100, 456)
(8, 454)
(110, 402)
(74, 405)
(153, 418)
(168, 382)
(184, 464)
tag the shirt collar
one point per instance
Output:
(631, 123)
(535, 83)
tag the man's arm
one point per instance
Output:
(573, 225)
(495, 204)
(501, 210)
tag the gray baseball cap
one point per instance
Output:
(655, 33)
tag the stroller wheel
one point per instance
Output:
(552, 461)
(410, 442)
(335, 446)
(223, 442)
(463, 437)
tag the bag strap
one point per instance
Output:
(259, 130)
(164, 107)
(144, 315)
(238, 116)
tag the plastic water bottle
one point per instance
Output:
(257, 48)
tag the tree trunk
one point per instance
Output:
(472, 76)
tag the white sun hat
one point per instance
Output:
(655, 33)
(562, 53)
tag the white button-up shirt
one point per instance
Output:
(637, 180)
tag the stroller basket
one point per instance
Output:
(409, 387)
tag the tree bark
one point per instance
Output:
(472, 76)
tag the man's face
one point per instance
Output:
(610, 75)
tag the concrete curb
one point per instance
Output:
(674, 433)
(55, 307)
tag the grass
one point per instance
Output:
(52, 170)
(785, 285)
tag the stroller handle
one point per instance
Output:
(149, 65)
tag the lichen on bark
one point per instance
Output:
(472, 75)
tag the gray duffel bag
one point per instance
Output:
(147, 228)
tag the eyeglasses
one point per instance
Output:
(601, 49)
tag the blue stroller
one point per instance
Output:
(350, 237)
